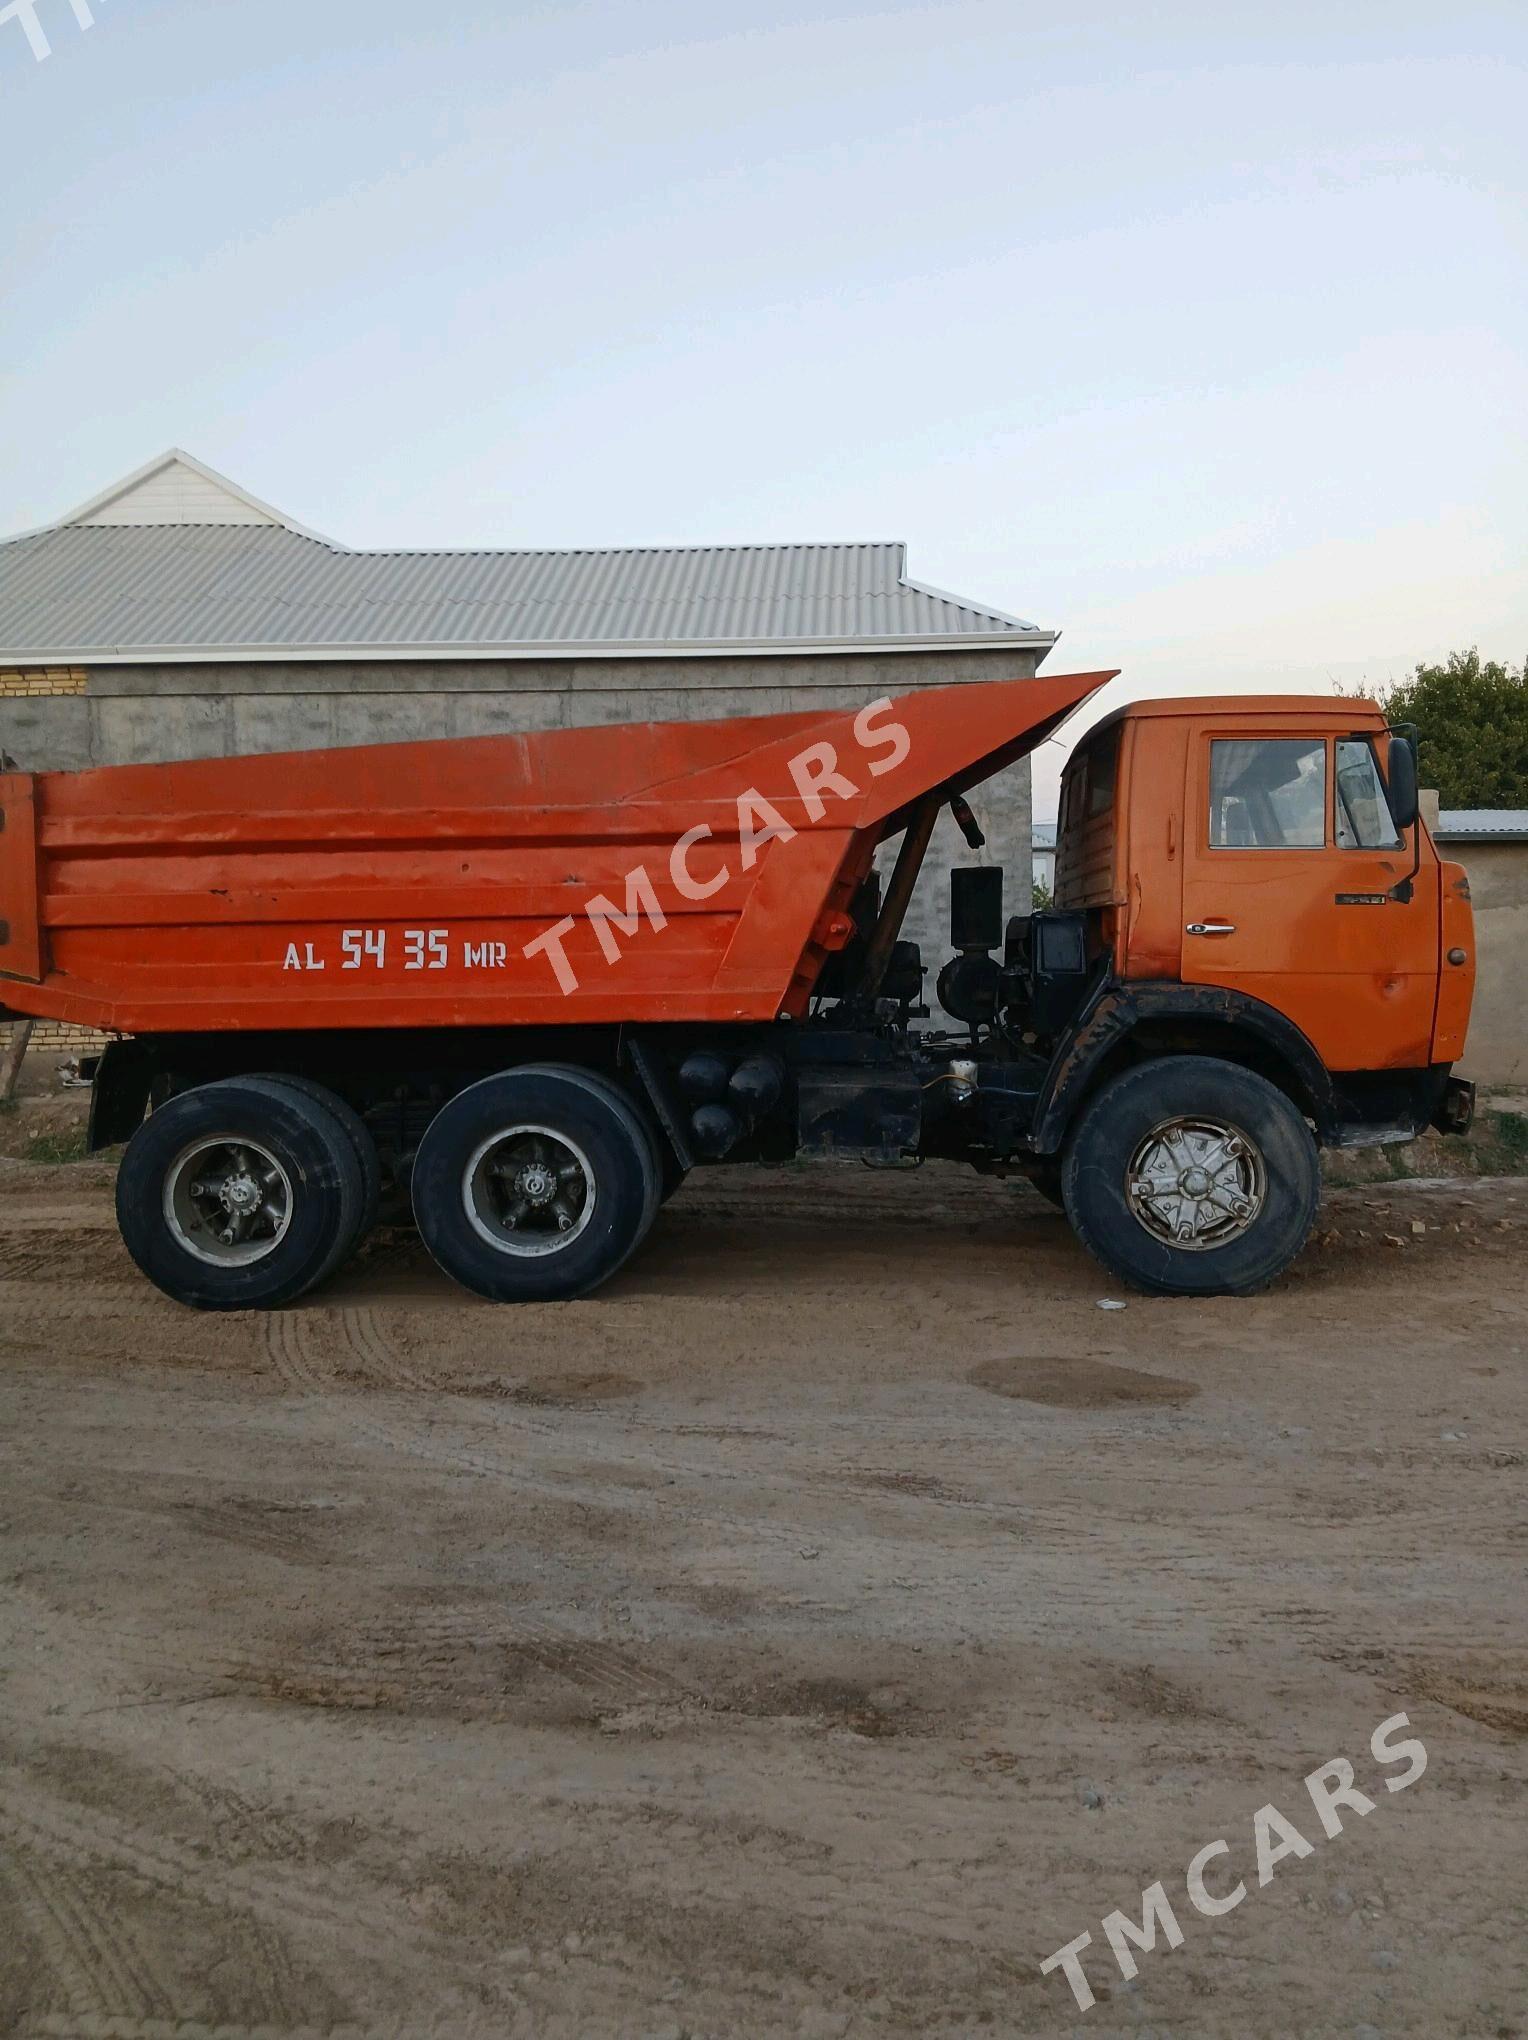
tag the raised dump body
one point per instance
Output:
(518, 987)
(409, 885)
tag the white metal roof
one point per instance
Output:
(133, 576)
(1482, 825)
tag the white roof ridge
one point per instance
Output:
(171, 457)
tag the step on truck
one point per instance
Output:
(520, 986)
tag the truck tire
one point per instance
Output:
(642, 1128)
(359, 1136)
(239, 1195)
(1189, 1176)
(535, 1185)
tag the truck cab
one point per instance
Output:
(1251, 849)
(1255, 951)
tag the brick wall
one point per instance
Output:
(40, 681)
(52, 1037)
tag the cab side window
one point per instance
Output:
(1087, 786)
(1071, 795)
(1103, 771)
(1363, 812)
(1267, 793)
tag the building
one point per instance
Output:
(1042, 836)
(1492, 845)
(177, 616)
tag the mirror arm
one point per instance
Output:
(1403, 890)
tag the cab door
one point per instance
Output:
(1290, 869)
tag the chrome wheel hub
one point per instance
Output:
(529, 1190)
(1196, 1183)
(227, 1201)
(537, 1182)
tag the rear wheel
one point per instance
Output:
(239, 1195)
(1191, 1176)
(535, 1185)
(641, 1129)
(364, 1147)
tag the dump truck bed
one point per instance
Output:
(410, 884)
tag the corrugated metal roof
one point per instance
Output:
(1042, 836)
(1482, 825)
(114, 593)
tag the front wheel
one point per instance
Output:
(1189, 1176)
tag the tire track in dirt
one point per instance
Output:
(238, 1830)
(19, 1263)
(911, 1493)
(38, 1251)
(294, 1350)
(292, 1901)
(48, 1301)
(71, 2026)
(583, 1661)
(599, 1670)
(462, 1668)
(287, 1354)
(240, 1825)
(449, 1661)
(364, 1336)
(91, 1958)
(270, 1529)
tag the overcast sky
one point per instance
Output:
(1197, 332)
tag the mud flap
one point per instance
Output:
(119, 1096)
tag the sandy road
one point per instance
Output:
(809, 1635)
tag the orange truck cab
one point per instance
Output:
(1248, 856)
(518, 987)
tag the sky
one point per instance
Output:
(1197, 332)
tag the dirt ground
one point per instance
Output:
(807, 1636)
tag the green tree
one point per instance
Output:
(1472, 717)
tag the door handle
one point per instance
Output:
(1210, 928)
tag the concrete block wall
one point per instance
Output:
(1497, 1049)
(119, 715)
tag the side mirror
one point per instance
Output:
(1402, 781)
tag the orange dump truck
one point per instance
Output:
(525, 984)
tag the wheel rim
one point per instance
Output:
(227, 1201)
(529, 1191)
(1196, 1183)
